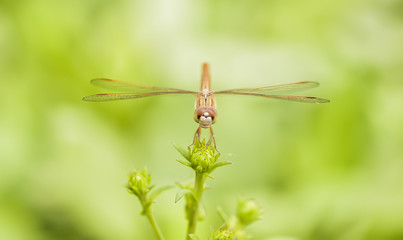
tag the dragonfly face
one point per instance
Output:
(205, 116)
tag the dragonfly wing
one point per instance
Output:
(282, 97)
(123, 86)
(104, 97)
(275, 89)
(299, 98)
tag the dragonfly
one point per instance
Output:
(205, 113)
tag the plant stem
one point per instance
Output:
(200, 178)
(154, 224)
(148, 212)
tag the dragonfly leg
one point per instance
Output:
(197, 136)
(212, 138)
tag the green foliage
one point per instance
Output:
(223, 233)
(139, 183)
(247, 212)
(202, 157)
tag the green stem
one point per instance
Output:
(200, 178)
(148, 212)
(154, 224)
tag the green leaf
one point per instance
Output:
(184, 152)
(157, 191)
(186, 163)
(211, 177)
(182, 193)
(220, 164)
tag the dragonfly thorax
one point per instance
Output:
(205, 116)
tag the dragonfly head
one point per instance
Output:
(205, 116)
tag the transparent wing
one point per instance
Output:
(135, 90)
(274, 89)
(123, 86)
(285, 97)
(297, 98)
(104, 97)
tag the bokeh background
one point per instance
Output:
(328, 171)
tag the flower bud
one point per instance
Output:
(139, 183)
(224, 233)
(248, 211)
(203, 157)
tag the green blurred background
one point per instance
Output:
(329, 171)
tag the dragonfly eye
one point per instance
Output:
(197, 117)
